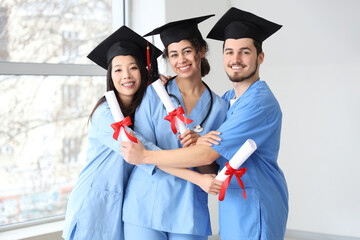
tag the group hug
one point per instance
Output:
(156, 186)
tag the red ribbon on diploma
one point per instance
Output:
(177, 113)
(118, 125)
(238, 174)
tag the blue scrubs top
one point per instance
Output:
(94, 208)
(155, 199)
(263, 215)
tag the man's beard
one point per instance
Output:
(240, 79)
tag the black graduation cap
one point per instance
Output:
(179, 30)
(236, 23)
(124, 41)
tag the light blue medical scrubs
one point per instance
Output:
(155, 199)
(263, 215)
(94, 209)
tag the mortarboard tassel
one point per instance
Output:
(148, 56)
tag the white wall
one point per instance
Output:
(312, 66)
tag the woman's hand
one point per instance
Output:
(164, 79)
(188, 138)
(133, 153)
(209, 184)
(209, 139)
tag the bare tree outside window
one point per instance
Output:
(43, 143)
(37, 29)
(43, 127)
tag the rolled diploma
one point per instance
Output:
(116, 112)
(239, 158)
(169, 105)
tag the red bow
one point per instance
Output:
(238, 174)
(177, 113)
(118, 125)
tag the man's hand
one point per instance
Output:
(188, 138)
(133, 153)
(209, 139)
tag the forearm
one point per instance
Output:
(183, 157)
(206, 182)
(184, 173)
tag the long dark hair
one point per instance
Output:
(129, 111)
(198, 44)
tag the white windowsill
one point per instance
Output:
(51, 230)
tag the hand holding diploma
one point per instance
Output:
(209, 184)
(235, 162)
(121, 123)
(188, 138)
(176, 116)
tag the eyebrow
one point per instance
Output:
(185, 48)
(241, 49)
(120, 65)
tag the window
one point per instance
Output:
(47, 88)
(43, 142)
(36, 30)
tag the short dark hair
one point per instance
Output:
(258, 47)
(198, 44)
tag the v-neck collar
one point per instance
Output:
(201, 107)
(245, 94)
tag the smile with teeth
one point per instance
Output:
(237, 67)
(128, 84)
(184, 68)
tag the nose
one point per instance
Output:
(182, 58)
(237, 57)
(126, 74)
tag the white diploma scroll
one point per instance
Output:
(116, 112)
(239, 158)
(169, 105)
